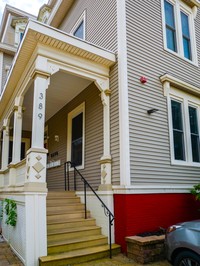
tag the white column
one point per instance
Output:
(35, 181)
(17, 135)
(41, 83)
(36, 156)
(5, 147)
(105, 160)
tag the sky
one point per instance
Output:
(30, 6)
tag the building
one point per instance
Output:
(114, 87)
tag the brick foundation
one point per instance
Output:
(145, 249)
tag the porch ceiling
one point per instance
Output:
(40, 34)
(62, 89)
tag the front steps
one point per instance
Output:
(72, 238)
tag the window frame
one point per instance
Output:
(81, 19)
(75, 112)
(187, 100)
(180, 6)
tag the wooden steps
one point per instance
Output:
(70, 237)
(79, 256)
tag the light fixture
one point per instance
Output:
(151, 111)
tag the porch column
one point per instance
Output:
(36, 155)
(5, 146)
(17, 134)
(105, 160)
(35, 180)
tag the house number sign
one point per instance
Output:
(40, 106)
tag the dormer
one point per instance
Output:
(44, 13)
(19, 24)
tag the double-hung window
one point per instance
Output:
(178, 29)
(184, 123)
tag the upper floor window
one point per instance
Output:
(179, 33)
(79, 28)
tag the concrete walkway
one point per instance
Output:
(7, 257)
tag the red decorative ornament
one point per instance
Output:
(143, 80)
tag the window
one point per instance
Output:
(179, 32)
(25, 145)
(76, 135)
(178, 136)
(79, 28)
(184, 124)
(170, 26)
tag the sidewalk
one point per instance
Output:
(8, 258)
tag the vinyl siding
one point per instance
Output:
(57, 125)
(149, 134)
(7, 61)
(10, 33)
(101, 30)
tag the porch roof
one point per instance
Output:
(38, 33)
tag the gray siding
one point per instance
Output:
(101, 30)
(149, 135)
(57, 125)
(7, 61)
(10, 33)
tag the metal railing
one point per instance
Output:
(67, 167)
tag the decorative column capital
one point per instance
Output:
(40, 73)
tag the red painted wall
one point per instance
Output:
(139, 213)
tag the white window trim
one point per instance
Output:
(1, 72)
(191, 12)
(79, 109)
(186, 100)
(81, 19)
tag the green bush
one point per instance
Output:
(196, 191)
(9, 207)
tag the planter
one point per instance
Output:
(145, 249)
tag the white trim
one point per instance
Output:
(5, 29)
(79, 109)
(81, 19)
(1, 72)
(180, 6)
(151, 189)
(123, 95)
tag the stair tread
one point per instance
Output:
(66, 212)
(73, 229)
(70, 221)
(75, 240)
(78, 253)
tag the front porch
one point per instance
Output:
(55, 78)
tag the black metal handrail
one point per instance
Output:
(108, 213)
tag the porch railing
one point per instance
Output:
(67, 167)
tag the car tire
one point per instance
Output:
(187, 258)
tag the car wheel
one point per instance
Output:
(187, 258)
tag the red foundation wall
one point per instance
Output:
(140, 213)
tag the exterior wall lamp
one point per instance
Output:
(151, 111)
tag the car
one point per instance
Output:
(182, 242)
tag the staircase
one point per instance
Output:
(72, 239)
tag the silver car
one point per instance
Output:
(183, 244)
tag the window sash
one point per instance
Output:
(178, 133)
(194, 134)
(186, 36)
(170, 26)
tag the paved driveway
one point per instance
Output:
(118, 261)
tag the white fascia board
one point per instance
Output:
(66, 38)
(123, 95)
(8, 48)
(54, 10)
